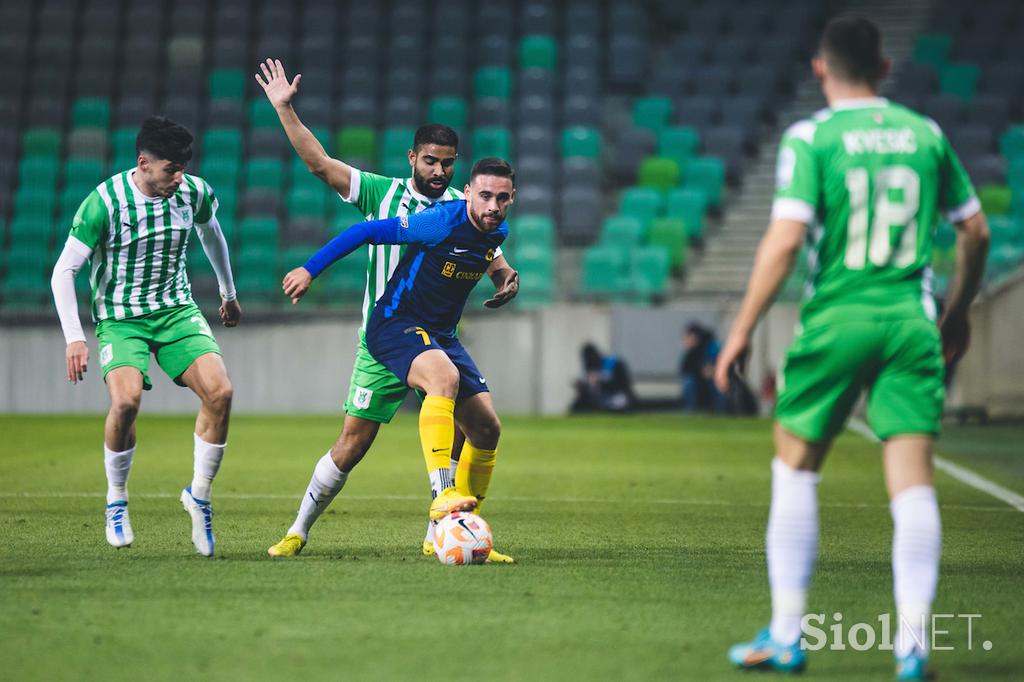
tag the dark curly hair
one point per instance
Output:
(163, 138)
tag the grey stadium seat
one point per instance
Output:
(268, 142)
(536, 111)
(535, 199)
(87, 142)
(536, 141)
(633, 145)
(697, 111)
(491, 111)
(539, 169)
(581, 110)
(225, 112)
(579, 217)
(578, 170)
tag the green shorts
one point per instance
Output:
(177, 336)
(899, 363)
(375, 393)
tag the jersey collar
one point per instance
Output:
(859, 103)
(410, 187)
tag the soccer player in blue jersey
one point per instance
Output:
(412, 329)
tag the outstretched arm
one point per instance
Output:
(280, 92)
(506, 282)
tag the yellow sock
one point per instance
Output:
(437, 431)
(474, 473)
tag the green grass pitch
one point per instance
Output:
(639, 544)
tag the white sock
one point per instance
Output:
(325, 484)
(452, 467)
(118, 465)
(440, 480)
(916, 545)
(792, 542)
(206, 463)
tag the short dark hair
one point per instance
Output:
(492, 165)
(435, 133)
(852, 45)
(164, 139)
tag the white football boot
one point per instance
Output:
(119, 528)
(202, 521)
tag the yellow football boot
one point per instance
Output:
(450, 501)
(496, 557)
(290, 545)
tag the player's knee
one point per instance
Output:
(219, 399)
(446, 383)
(124, 407)
(487, 431)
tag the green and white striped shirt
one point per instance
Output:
(139, 244)
(378, 198)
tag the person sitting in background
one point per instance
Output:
(696, 369)
(605, 385)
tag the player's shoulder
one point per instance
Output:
(457, 195)
(806, 129)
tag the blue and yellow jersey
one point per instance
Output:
(446, 257)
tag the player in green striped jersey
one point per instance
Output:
(374, 392)
(135, 229)
(863, 182)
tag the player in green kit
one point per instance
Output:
(135, 228)
(375, 394)
(863, 183)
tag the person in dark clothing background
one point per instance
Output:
(605, 385)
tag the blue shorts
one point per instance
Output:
(398, 341)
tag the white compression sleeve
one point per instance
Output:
(216, 248)
(62, 282)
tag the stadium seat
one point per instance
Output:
(345, 282)
(87, 142)
(41, 142)
(669, 234)
(492, 81)
(306, 202)
(602, 271)
(491, 141)
(632, 147)
(622, 231)
(37, 171)
(90, 170)
(659, 172)
(35, 201)
(450, 111)
(652, 113)
(581, 141)
(582, 170)
(90, 113)
(228, 84)
(960, 80)
(689, 205)
(932, 49)
(264, 173)
(995, 199)
(262, 230)
(707, 173)
(537, 51)
(123, 142)
(648, 272)
(1011, 143)
(533, 230)
(643, 203)
(262, 114)
(679, 143)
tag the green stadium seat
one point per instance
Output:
(227, 84)
(659, 172)
(345, 215)
(491, 141)
(707, 173)
(622, 231)
(995, 199)
(536, 284)
(222, 142)
(648, 272)
(308, 202)
(603, 270)
(257, 256)
(960, 80)
(90, 112)
(35, 202)
(530, 230)
(643, 203)
(689, 205)
(32, 232)
(652, 112)
(1011, 142)
(24, 290)
(669, 234)
(43, 142)
(1005, 230)
(345, 281)
(27, 257)
(123, 162)
(449, 111)
(357, 145)
(69, 200)
(261, 231)
(396, 142)
(395, 167)
(492, 81)
(932, 49)
(299, 176)
(262, 114)
(84, 170)
(945, 236)
(264, 172)
(538, 51)
(581, 141)
(220, 171)
(261, 287)
(123, 142)
(38, 171)
(679, 143)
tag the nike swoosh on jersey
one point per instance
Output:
(456, 251)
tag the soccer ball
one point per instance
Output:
(462, 538)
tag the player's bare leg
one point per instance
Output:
(208, 378)
(916, 546)
(329, 477)
(476, 416)
(433, 373)
(125, 387)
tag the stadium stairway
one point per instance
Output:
(723, 270)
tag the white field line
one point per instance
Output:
(531, 500)
(965, 476)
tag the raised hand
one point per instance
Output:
(275, 83)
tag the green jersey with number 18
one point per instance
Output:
(378, 197)
(870, 178)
